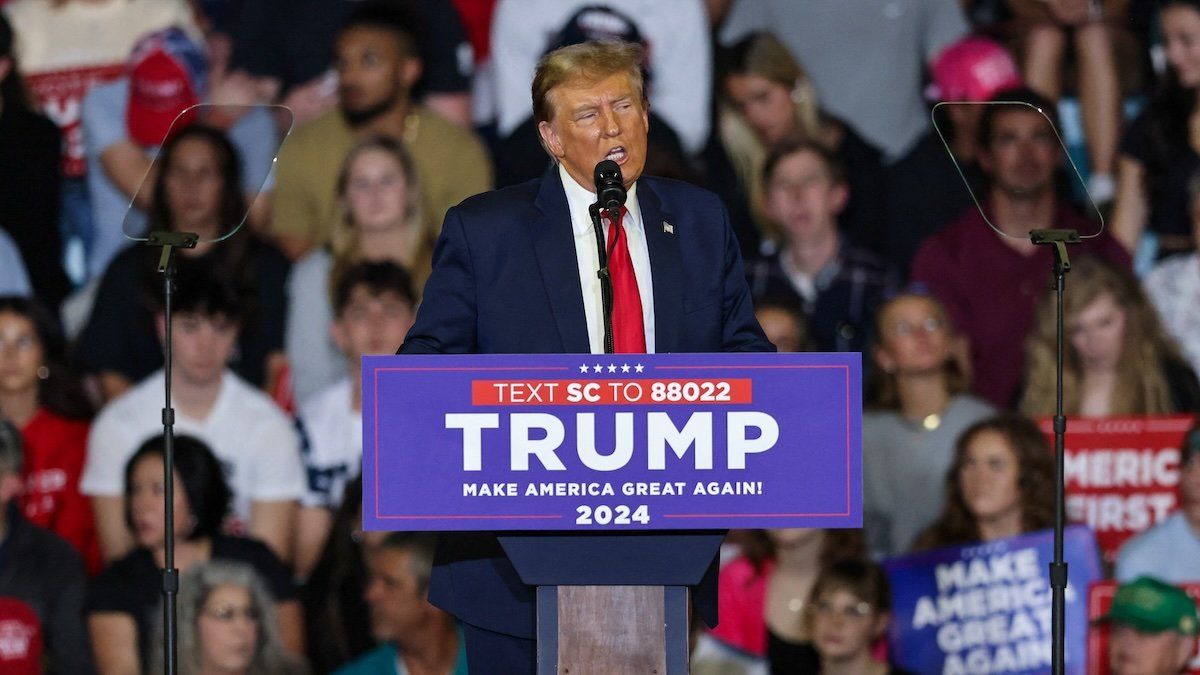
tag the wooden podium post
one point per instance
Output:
(615, 630)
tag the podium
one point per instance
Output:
(593, 620)
(609, 481)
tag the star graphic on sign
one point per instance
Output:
(624, 367)
(638, 368)
(612, 368)
(596, 368)
(583, 368)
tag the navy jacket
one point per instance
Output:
(506, 281)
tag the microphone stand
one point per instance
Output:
(606, 288)
(169, 241)
(1058, 240)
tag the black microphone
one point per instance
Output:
(610, 190)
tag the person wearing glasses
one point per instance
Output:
(226, 625)
(848, 610)
(918, 404)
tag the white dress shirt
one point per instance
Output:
(579, 199)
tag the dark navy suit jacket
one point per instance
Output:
(506, 281)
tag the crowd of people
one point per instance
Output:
(865, 224)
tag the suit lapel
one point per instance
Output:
(554, 247)
(666, 265)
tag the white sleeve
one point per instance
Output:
(945, 24)
(109, 446)
(276, 468)
(681, 71)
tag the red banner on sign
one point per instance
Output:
(611, 392)
(1121, 473)
(1100, 596)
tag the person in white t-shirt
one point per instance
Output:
(255, 441)
(373, 310)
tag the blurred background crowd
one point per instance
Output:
(863, 222)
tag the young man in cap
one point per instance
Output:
(1153, 628)
(1171, 549)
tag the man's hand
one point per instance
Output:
(1073, 12)
(310, 100)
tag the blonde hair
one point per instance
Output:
(1141, 387)
(586, 62)
(764, 55)
(420, 234)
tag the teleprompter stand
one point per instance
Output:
(594, 616)
(1058, 240)
(169, 242)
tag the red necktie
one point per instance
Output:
(629, 333)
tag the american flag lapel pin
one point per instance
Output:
(668, 228)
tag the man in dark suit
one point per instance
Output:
(515, 271)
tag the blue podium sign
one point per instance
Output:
(611, 442)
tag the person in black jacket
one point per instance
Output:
(29, 181)
(42, 583)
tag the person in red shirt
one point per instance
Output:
(990, 284)
(40, 397)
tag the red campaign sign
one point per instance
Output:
(1121, 473)
(611, 392)
(1100, 596)
(59, 95)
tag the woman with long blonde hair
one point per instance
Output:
(380, 219)
(768, 98)
(1118, 359)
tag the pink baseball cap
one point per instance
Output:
(973, 69)
(167, 75)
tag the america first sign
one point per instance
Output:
(611, 442)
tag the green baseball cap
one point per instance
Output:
(1152, 606)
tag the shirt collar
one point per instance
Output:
(824, 276)
(580, 198)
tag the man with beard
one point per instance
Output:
(990, 283)
(375, 55)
